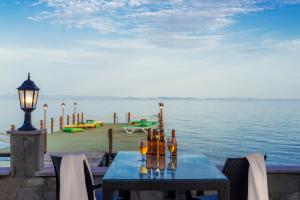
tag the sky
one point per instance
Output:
(151, 48)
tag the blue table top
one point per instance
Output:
(127, 165)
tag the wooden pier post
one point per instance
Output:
(52, 124)
(12, 127)
(45, 140)
(68, 120)
(110, 141)
(41, 124)
(115, 117)
(73, 119)
(61, 123)
(82, 117)
(128, 117)
(158, 117)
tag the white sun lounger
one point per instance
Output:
(132, 129)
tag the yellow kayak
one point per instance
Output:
(82, 126)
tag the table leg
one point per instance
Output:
(107, 194)
(223, 194)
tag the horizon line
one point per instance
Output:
(75, 97)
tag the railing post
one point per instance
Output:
(68, 120)
(52, 124)
(12, 127)
(82, 117)
(41, 124)
(73, 119)
(110, 141)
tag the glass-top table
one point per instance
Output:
(185, 172)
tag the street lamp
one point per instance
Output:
(75, 107)
(28, 95)
(63, 112)
(161, 107)
(45, 113)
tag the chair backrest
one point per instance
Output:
(236, 170)
(88, 177)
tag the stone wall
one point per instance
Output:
(38, 188)
(282, 186)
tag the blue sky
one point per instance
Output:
(145, 48)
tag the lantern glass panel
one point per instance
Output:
(35, 97)
(22, 98)
(28, 98)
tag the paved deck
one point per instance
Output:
(92, 140)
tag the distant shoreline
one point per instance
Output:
(85, 97)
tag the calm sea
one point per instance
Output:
(217, 128)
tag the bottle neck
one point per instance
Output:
(154, 137)
(162, 137)
(173, 133)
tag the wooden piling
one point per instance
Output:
(52, 124)
(158, 117)
(73, 119)
(110, 141)
(45, 140)
(68, 120)
(12, 127)
(61, 123)
(41, 124)
(128, 117)
(115, 117)
(82, 117)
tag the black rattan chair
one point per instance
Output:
(88, 179)
(236, 170)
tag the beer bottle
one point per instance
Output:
(162, 166)
(174, 153)
(154, 143)
(162, 143)
(149, 141)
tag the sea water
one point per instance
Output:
(217, 128)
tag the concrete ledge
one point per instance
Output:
(274, 169)
(49, 172)
(35, 132)
(4, 171)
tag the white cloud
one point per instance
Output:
(120, 67)
(157, 20)
(289, 44)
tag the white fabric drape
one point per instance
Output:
(257, 177)
(72, 179)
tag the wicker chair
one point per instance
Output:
(236, 170)
(88, 179)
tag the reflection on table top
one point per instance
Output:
(128, 165)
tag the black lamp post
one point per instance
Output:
(45, 115)
(28, 95)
